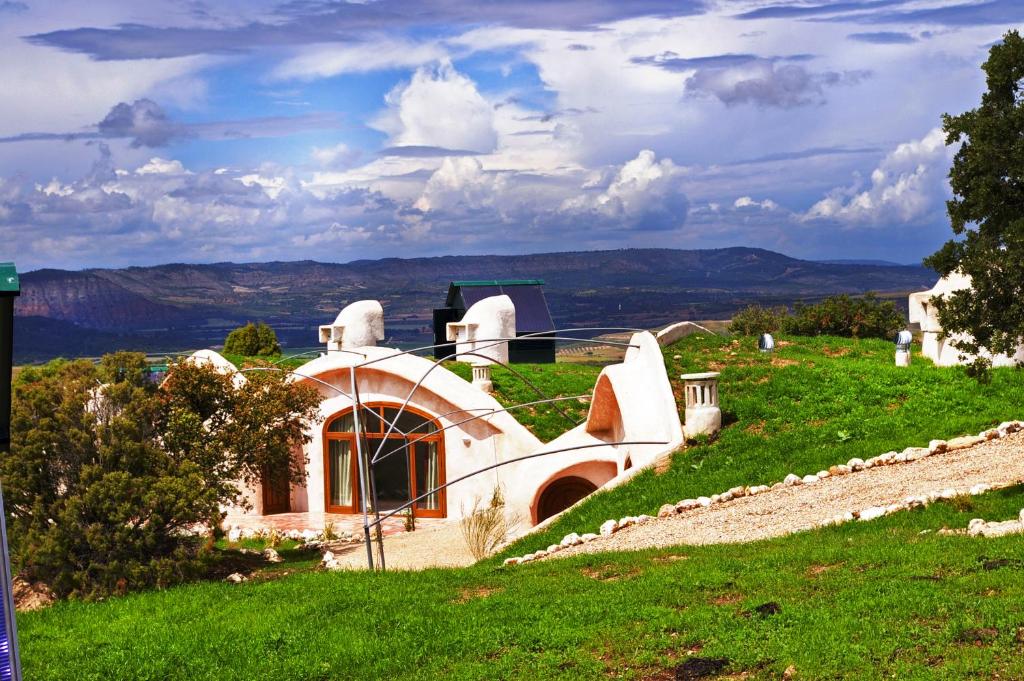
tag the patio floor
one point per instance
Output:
(342, 522)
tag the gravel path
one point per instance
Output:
(791, 509)
(441, 546)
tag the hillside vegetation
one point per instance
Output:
(884, 599)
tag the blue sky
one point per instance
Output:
(136, 133)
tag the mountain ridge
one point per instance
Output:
(193, 305)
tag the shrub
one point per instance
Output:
(866, 317)
(484, 529)
(109, 475)
(755, 320)
(252, 340)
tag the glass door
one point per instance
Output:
(411, 460)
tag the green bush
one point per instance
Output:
(755, 320)
(866, 317)
(252, 340)
(108, 473)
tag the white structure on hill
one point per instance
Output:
(358, 325)
(435, 437)
(487, 319)
(934, 345)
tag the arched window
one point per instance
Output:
(411, 461)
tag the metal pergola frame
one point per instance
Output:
(366, 463)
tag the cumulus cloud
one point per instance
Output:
(439, 107)
(767, 84)
(161, 166)
(174, 213)
(644, 194)
(460, 184)
(143, 121)
(748, 202)
(909, 185)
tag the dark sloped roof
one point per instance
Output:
(532, 314)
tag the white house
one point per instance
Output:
(436, 438)
(934, 345)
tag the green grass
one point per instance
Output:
(812, 403)
(885, 599)
(546, 421)
(863, 601)
(282, 361)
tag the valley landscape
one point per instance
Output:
(284, 388)
(179, 307)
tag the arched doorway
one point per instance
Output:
(411, 463)
(561, 494)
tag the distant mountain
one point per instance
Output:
(178, 306)
(880, 263)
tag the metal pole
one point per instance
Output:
(10, 287)
(373, 493)
(360, 465)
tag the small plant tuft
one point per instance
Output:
(328, 533)
(484, 529)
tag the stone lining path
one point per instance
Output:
(778, 512)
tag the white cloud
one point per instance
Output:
(272, 186)
(439, 107)
(339, 155)
(373, 53)
(645, 194)
(747, 202)
(908, 185)
(460, 183)
(161, 166)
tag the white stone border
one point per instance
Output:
(909, 454)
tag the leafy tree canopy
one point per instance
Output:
(987, 213)
(252, 340)
(109, 474)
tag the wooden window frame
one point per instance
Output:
(372, 438)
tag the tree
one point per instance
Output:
(109, 475)
(252, 340)
(987, 213)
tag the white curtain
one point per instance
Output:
(433, 478)
(341, 472)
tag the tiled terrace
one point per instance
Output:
(342, 522)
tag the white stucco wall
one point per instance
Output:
(933, 345)
(632, 401)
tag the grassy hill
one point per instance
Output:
(885, 599)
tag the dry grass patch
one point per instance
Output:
(609, 573)
(726, 599)
(821, 568)
(756, 428)
(473, 593)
